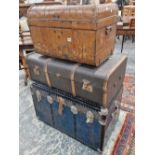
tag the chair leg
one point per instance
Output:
(25, 65)
(122, 43)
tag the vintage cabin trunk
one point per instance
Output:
(80, 33)
(75, 117)
(98, 84)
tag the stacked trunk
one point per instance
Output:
(79, 93)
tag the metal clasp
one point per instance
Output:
(74, 110)
(50, 99)
(87, 86)
(108, 29)
(90, 117)
(38, 95)
(36, 70)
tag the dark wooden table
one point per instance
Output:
(125, 31)
(126, 27)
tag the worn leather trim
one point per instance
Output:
(49, 83)
(72, 77)
(104, 97)
(116, 66)
(105, 83)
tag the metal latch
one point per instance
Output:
(38, 95)
(36, 70)
(87, 86)
(103, 116)
(108, 29)
(58, 75)
(74, 110)
(50, 99)
(69, 39)
(90, 117)
(103, 112)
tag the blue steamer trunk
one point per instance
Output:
(74, 116)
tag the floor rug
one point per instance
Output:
(128, 97)
(122, 140)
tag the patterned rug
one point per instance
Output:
(122, 140)
(126, 137)
(128, 97)
(123, 146)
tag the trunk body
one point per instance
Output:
(74, 116)
(98, 84)
(84, 34)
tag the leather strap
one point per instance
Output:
(46, 73)
(104, 97)
(72, 77)
(61, 103)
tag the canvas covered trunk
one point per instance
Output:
(98, 84)
(80, 33)
(75, 117)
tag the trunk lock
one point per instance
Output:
(36, 70)
(90, 117)
(87, 86)
(50, 99)
(74, 110)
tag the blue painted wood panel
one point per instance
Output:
(65, 121)
(88, 133)
(75, 125)
(42, 107)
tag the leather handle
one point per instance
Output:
(108, 29)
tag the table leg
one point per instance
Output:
(133, 38)
(24, 64)
(122, 43)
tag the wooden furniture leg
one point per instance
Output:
(24, 64)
